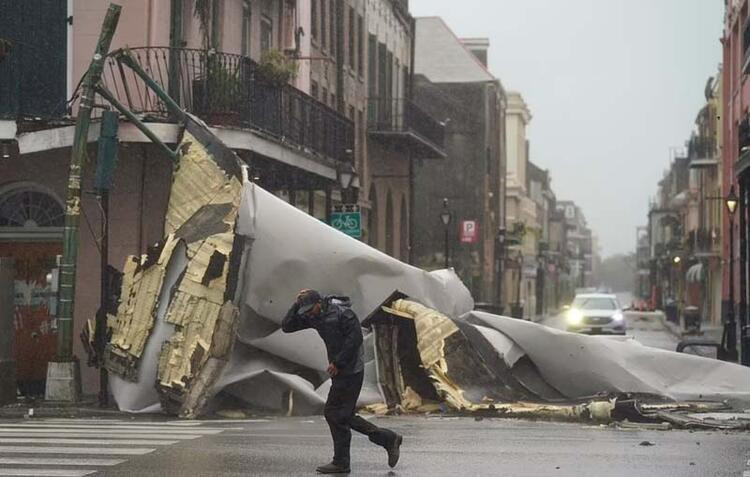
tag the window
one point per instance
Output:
(266, 34)
(333, 30)
(314, 89)
(352, 37)
(314, 19)
(351, 113)
(177, 27)
(372, 67)
(594, 303)
(324, 95)
(333, 101)
(324, 23)
(246, 27)
(27, 207)
(216, 11)
(361, 45)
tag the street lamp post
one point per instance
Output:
(445, 217)
(729, 344)
(500, 252)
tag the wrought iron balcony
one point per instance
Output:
(400, 122)
(227, 90)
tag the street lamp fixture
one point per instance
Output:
(346, 175)
(677, 260)
(732, 201)
(445, 217)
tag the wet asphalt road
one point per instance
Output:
(452, 447)
(433, 446)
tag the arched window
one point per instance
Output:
(29, 206)
(404, 231)
(372, 219)
(389, 235)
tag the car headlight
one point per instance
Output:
(618, 316)
(575, 317)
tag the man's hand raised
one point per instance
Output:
(333, 371)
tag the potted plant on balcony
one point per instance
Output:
(277, 69)
(219, 93)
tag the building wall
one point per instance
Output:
(735, 102)
(137, 206)
(468, 178)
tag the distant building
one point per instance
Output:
(455, 86)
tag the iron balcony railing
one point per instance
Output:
(402, 115)
(228, 90)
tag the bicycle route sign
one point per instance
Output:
(347, 219)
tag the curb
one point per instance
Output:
(42, 409)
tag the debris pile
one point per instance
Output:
(200, 316)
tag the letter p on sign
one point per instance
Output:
(469, 231)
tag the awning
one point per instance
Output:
(695, 273)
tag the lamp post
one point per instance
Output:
(729, 345)
(500, 252)
(445, 217)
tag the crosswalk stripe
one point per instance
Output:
(75, 450)
(94, 434)
(176, 432)
(58, 461)
(201, 430)
(92, 442)
(77, 447)
(47, 472)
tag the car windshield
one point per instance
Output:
(594, 303)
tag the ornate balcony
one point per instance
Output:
(227, 90)
(401, 123)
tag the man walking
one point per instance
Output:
(341, 332)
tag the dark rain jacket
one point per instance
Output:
(340, 330)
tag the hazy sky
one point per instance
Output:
(612, 85)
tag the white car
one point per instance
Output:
(596, 313)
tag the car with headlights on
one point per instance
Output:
(596, 313)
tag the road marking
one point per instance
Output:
(746, 473)
(92, 442)
(47, 472)
(176, 432)
(58, 461)
(75, 450)
(94, 434)
(202, 430)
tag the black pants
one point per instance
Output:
(340, 413)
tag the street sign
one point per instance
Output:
(469, 231)
(347, 218)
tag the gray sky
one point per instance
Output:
(612, 85)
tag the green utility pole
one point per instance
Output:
(106, 162)
(59, 375)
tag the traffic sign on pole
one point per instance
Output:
(347, 218)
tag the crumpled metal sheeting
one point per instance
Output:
(580, 366)
(292, 250)
(131, 327)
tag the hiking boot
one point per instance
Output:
(394, 450)
(333, 468)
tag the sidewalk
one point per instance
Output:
(87, 407)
